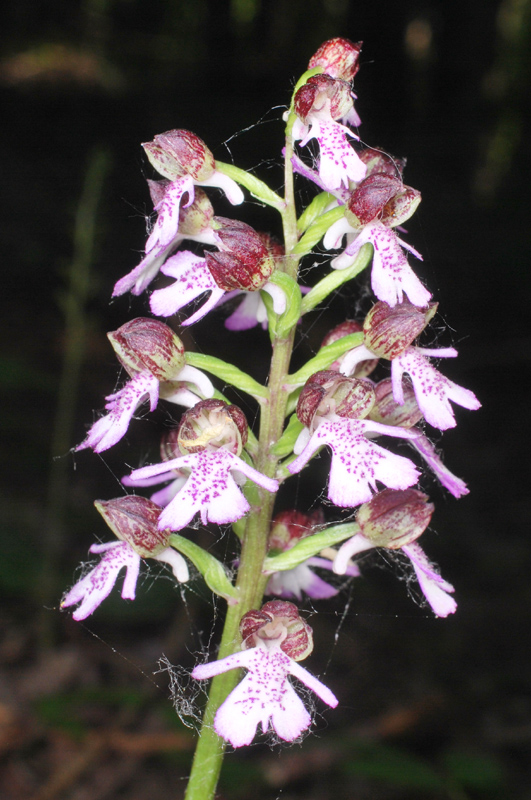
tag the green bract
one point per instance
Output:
(310, 546)
(258, 188)
(210, 568)
(229, 373)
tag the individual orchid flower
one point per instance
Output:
(377, 205)
(175, 223)
(276, 638)
(319, 103)
(251, 309)
(186, 162)
(211, 436)
(288, 528)
(134, 521)
(331, 408)
(154, 358)
(395, 520)
(432, 389)
(244, 262)
(389, 334)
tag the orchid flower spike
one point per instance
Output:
(134, 521)
(210, 437)
(276, 638)
(154, 358)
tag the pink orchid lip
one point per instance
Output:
(264, 697)
(357, 463)
(210, 490)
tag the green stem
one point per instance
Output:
(251, 581)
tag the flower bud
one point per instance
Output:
(389, 331)
(323, 93)
(338, 57)
(395, 518)
(380, 161)
(364, 368)
(387, 411)
(196, 217)
(367, 201)
(211, 424)
(328, 392)
(147, 344)
(245, 261)
(289, 527)
(177, 153)
(277, 624)
(134, 520)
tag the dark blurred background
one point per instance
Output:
(429, 708)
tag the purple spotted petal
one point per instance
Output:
(435, 589)
(163, 239)
(391, 274)
(91, 590)
(338, 162)
(210, 489)
(264, 696)
(357, 463)
(433, 390)
(192, 279)
(427, 450)
(121, 406)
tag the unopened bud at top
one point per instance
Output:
(177, 153)
(210, 425)
(364, 368)
(277, 624)
(387, 411)
(244, 261)
(289, 527)
(338, 57)
(134, 520)
(145, 344)
(329, 393)
(395, 518)
(388, 331)
(321, 93)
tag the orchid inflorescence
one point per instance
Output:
(213, 467)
